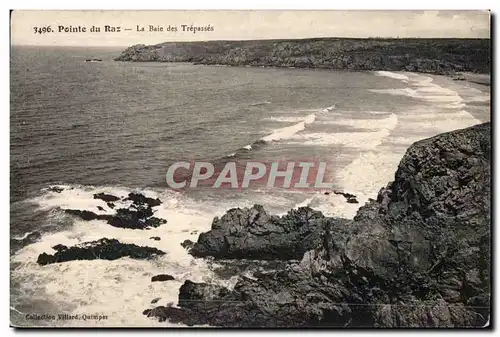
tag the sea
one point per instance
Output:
(116, 127)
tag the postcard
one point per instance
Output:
(251, 169)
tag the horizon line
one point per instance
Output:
(264, 39)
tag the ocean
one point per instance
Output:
(115, 127)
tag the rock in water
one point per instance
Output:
(139, 217)
(251, 233)
(55, 189)
(106, 197)
(188, 244)
(162, 277)
(350, 198)
(140, 199)
(418, 256)
(104, 249)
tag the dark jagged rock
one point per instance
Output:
(155, 300)
(55, 189)
(140, 199)
(344, 194)
(100, 208)
(188, 244)
(350, 198)
(104, 249)
(110, 205)
(60, 247)
(106, 197)
(156, 238)
(137, 217)
(418, 256)
(250, 233)
(87, 215)
(162, 278)
(440, 56)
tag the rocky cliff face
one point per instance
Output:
(253, 234)
(418, 256)
(440, 56)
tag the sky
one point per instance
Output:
(238, 25)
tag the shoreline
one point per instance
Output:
(482, 78)
(437, 56)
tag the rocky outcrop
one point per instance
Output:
(104, 249)
(188, 244)
(106, 197)
(162, 278)
(138, 216)
(418, 256)
(141, 200)
(350, 198)
(442, 56)
(55, 189)
(251, 233)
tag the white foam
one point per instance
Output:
(368, 172)
(122, 288)
(374, 167)
(368, 124)
(367, 140)
(247, 147)
(390, 74)
(429, 123)
(379, 112)
(260, 103)
(479, 98)
(290, 131)
(24, 236)
(425, 89)
(330, 108)
(286, 119)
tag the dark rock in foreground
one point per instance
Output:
(104, 249)
(418, 256)
(156, 238)
(251, 233)
(162, 277)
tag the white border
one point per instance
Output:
(191, 4)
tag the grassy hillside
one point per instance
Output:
(420, 55)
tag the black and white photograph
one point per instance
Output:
(250, 169)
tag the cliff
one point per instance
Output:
(441, 56)
(418, 256)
